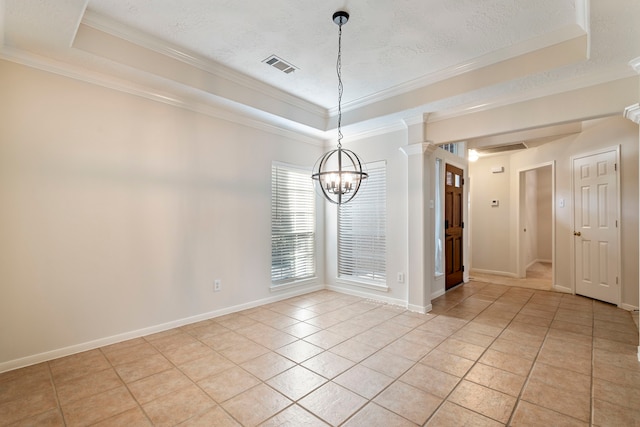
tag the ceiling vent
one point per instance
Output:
(280, 64)
(502, 148)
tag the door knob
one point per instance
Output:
(577, 233)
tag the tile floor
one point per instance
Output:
(488, 355)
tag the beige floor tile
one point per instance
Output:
(263, 401)
(328, 364)
(51, 418)
(572, 361)
(530, 415)
(225, 340)
(424, 338)
(98, 407)
(207, 330)
(205, 366)
(488, 402)
(411, 320)
(244, 352)
(301, 329)
(451, 414)
(430, 380)
(23, 382)
(296, 382)
(572, 327)
(165, 382)
(496, 379)
(576, 404)
(525, 350)
(473, 337)
(408, 349)
(408, 401)
(482, 328)
(188, 352)
(133, 371)
(274, 340)
(560, 378)
(387, 363)
(178, 406)
(132, 417)
(130, 354)
(228, 384)
(325, 339)
(353, 350)
(461, 348)
(293, 416)
(628, 397)
(610, 415)
(78, 365)
(333, 403)
(299, 351)
(507, 362)
(447, 362)
(375, 338)
(215, 416)
(374, 415)
(268, 365)
(81, 387)
(364, 381)
(27, 406)
(616, 375)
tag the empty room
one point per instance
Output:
(338, 213)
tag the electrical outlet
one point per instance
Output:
(217, 285)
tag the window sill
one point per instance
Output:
(294, 284)
(363, 284)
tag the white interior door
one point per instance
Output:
(596, 226)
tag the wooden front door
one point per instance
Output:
(453, 225)
(596, 226)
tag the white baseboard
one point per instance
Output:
(419, 308)
(628, 307)
(563, 289)
(101, 342)
(494, 272)
(368, 295)
(438, 293)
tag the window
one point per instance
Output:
(292, 225)
(362, 231)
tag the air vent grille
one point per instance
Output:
(280, 64)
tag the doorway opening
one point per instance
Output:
(536, 229)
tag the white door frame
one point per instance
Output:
(520, 265)
(615, 148)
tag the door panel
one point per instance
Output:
(596, 233)
(453, 197)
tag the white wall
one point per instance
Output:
(117, 213)
(382, 147)
(545, 211)
(499, 228)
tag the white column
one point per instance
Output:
(420, 235)
(632, 113)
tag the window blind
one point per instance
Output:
(292, 225)
(362, 230)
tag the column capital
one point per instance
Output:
(420, 148)
(632, 112)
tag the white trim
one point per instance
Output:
(216, 107)
(363, 294)
(439, 293)
(628, 307)
(116, 29)
(632, 112)
(494, 272)
(362, 284)
(522, 272)
(294, 284)
(101, 342)
(635, 64)
(562, 289)
(422, 309)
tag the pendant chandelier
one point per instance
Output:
(338, 173)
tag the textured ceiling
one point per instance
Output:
(385, 44)
(401, 58)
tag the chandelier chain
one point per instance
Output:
(340, 87)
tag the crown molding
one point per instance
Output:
(562, 35)
(419, 148)
(632, 112)
(116, 29)
(211, 106)
(635, 64)
(513, 97)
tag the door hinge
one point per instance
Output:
(462, 224)
(615, 167)
(463, 268)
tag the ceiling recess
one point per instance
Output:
(502, 148)
(280, 64)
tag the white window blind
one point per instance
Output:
(362, 230)
(292, 225)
